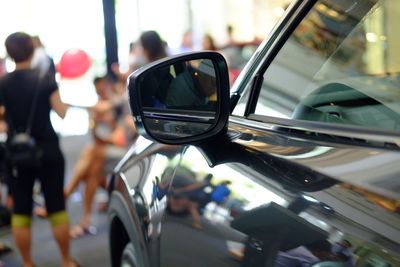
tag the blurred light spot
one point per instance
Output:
(76, 122)
(371, 37)
(279, 11)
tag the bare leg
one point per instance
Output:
(92, 182)
(61, 234)
(80, 171)
(23, 236)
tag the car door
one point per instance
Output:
(323, 107)
(310, 169)
(307, 172)
(259, 221)
(136, 205)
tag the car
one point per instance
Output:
(295, 165)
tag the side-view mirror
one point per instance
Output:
(182, 99)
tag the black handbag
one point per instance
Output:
(22, 149)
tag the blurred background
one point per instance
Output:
(73, 24)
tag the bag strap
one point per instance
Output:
(33, 107)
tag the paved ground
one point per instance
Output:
(90, 251)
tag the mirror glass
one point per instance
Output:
(180, 99)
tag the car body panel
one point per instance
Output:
(172, 240)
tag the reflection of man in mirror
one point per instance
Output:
(194, 86)
(154, 88)
(206, 79)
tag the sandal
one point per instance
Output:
(80, 231)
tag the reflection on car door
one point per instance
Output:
(231, 215)
(135, 212)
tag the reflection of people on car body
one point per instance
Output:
(221, 193)
(305, 256)
(343, 252)
(188, 196)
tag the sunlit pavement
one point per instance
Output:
(89, 250)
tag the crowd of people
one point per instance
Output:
(33, 85)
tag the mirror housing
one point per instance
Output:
(182, 99)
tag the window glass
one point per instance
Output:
(341, 65)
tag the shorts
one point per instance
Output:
(51, 177)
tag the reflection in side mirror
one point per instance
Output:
(189, 85)
(180, 98)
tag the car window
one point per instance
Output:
(231, 215)
(340, 65)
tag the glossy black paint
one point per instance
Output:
(226, 149)
(163, 237)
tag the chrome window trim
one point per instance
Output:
(175, 116)
(348, 131)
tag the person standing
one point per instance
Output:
(41, 60)
(18, 92)
(148, 48)
(208, 43)
(186, 44)
(153, 46)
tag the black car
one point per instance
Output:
(296, 165)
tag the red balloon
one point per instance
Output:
(73, 63)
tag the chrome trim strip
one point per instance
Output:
(174, 116)
(266, 123)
